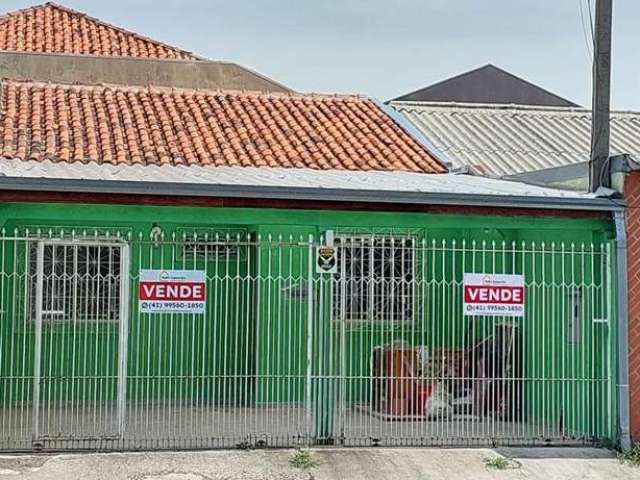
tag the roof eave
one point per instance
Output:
(306, 193)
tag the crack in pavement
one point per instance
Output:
(170, 475)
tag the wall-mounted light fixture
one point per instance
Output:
(156, 234)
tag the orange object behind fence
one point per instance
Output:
(395, 383)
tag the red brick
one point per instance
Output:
(632, 194)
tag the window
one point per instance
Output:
(79, 282)
(375, 279)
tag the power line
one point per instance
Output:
(588, 43)
(593, 37)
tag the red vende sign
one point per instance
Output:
(172, 291)
(493, 294)
(189, 291)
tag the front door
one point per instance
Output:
(79, 295)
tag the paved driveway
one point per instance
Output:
(356, 464)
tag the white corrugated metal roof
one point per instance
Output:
(499, 140)
(285, 178)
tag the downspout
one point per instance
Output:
(623, 331)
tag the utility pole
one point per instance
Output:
(600, 105)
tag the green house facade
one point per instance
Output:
(283, 354)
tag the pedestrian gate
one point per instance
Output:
(365, 341)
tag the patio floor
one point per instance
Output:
(161, 426)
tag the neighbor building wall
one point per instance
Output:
(632, 194)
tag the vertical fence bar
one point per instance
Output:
(38, 341)
(123, 338)
(610, 338)
(309, 370)
(342, 352)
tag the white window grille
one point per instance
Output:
(202, 249)
(375, 278)
(80, 282)
(205, 244)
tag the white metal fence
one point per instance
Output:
(378, 352)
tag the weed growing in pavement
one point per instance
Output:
(303, 459)
(631, 456)
(500, 463)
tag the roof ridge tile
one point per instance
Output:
(182, 90)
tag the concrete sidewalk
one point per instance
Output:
(356, 464)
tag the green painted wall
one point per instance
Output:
(267, 340)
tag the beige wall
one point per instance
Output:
(130, 71)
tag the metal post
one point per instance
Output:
(623, 331)
(309, 388)
(37, 339)
(342, 354)
(123, 332)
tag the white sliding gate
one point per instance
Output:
(377, 352)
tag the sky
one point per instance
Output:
(385, 48)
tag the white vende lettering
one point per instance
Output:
(148, 290)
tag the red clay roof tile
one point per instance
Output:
(149, 125)
(51, 28)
